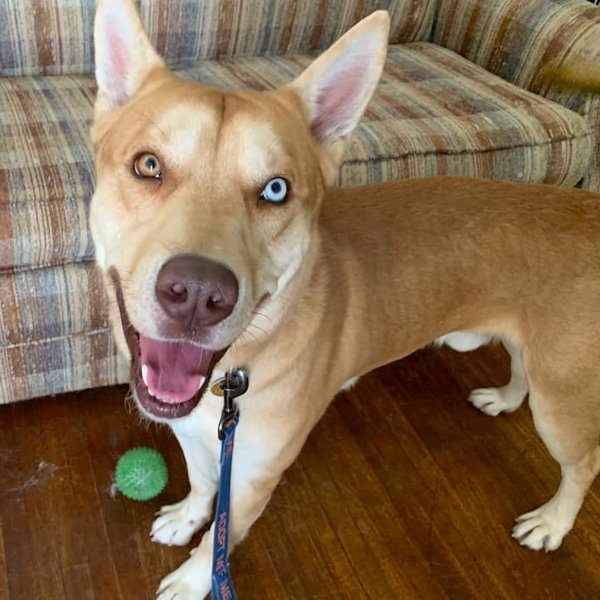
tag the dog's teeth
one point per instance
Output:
(145, 374)
(151, 392)
(201, 382)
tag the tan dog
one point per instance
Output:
(224, 247)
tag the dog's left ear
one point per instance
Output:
(336, 88)
(124, 55)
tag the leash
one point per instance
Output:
(233, 385)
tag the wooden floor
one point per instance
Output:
(402, 491)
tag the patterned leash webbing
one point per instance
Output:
(234, 384)
(222, 585)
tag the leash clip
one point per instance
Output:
(234, 384)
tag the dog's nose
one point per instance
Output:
(196, 291)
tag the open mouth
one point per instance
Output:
(169, 377)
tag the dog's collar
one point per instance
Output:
(233, 385)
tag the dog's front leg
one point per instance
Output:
(249, 496)
(177, 523)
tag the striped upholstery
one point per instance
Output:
(504, 37)
(46, 170)
(516, 39)
(54, 336)
(54, 37)
(50, 37)
(435, 112)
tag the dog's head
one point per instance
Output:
(207, 201)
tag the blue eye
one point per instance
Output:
(275, 191)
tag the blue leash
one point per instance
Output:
(233, 385)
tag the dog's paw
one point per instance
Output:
(176, 524)
(493, 401)
(191, 581)
(543, 528)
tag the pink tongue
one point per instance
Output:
(173, 371)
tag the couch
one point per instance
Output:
(463, 94)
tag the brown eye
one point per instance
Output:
(147, 165)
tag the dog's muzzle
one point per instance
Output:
(170, 377)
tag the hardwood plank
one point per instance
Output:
(501, 470)
(49, 497)
(31, 559)
(4, 590)
(402, 491)
(78, 583)
(257, 558)
(89, 541)
(414, 484)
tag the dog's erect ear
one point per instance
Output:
(338, 85)
(124, 55)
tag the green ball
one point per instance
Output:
(141, 474)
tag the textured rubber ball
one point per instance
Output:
(141, 474)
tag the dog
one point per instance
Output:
(223, 244)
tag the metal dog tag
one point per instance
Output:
(217, 387)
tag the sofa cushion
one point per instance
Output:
(434, 113)
(54, 37)
(437, 114)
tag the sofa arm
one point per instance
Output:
(518, 39)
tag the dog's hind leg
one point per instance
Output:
(570, 428)
(493, 401)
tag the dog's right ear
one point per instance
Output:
(336, 88)
(123, 53)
